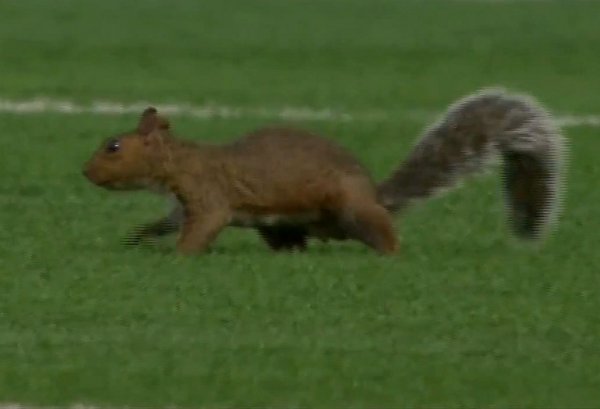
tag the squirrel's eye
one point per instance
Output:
(113, 146)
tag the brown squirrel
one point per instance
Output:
(290, 184)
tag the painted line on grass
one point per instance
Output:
(42, 105)
(206, 111)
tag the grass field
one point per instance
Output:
(463, 316)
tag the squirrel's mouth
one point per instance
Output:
(108, 185)
(104, 183)
(114, 185)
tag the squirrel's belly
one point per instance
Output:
(246, 219)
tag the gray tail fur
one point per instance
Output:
(476, 131)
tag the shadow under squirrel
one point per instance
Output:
(290, 184)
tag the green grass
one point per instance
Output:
(463, 316)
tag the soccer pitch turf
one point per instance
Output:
(463, 316)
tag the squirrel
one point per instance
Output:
(291, 184)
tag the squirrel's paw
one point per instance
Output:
(136, 236)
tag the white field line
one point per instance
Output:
(207, 111)
(213, 111)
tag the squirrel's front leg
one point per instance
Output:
(168, 224)
(161, 227)
(200, 229)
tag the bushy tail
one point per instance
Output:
(474, 132)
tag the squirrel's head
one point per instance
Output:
(130, 160)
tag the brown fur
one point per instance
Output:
(291, 185)
(288, 184)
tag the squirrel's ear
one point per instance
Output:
(151, 120)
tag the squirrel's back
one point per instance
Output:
(286, 169)
(281, 148)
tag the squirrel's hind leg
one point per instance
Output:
(370, 223)
(284, 238)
